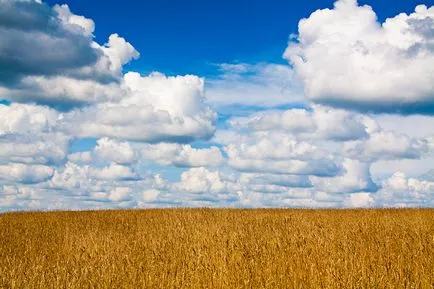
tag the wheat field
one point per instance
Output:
(218, 248)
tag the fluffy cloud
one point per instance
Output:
(279, 154)
(355, 178)
(158, 108)
(22, 173)
(113, 172)
(399, 190)
(182, 155)
(347, 59)
(165, 154)
(318, 123)
(387, 146)
(26, 119)
(35, 41)
(48, 150)
(114, 151)
(49, 57)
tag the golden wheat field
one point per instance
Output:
(218, 248)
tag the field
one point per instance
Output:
(218, 248)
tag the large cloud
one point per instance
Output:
(35, 41)
(346, 58)
(48, 56)
(26, 119)
(319, 122)
(165, 154)
(23, 173)
(401, 191)
(182, 155)
(157, 108)
(384, 145)
(44, 149)
(279, 154)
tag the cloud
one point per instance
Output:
(165, 154)
(26, 119)
(401, 191)
(318, 123)
(63, 92)
(114, 151)
(279, 154)
(387, 146)
(158, 108)
(23, 173)
(36, 42)
(359, 200)
(49, 57)
(113, 172)
(346, 58)
(45, 149)
(182, 155)
(355, 178)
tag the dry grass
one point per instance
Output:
(206, 248)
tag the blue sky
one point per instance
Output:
(137, 104)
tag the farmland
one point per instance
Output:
(218, 248)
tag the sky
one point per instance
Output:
(138, 104)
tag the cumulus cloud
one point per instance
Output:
(113, 172)
(182, 155)
(355, 178)
(318, 123)
(401, 191)
(48, 56)
(346, 58)
(26, 119)
(23, 173)
(46, 149)
(115, 151)
(279, 154)
(158, 108)
(387, 146)
(35, 41)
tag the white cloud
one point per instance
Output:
(182, 155)
(201, 180)
(279, 153)
(63, 91)
(346, 58)
(150, 195)
(158, 108)
(359, 200)
(355, 178)
(398, 190)
(47, 149)
(73, 21)
(387, 146)
(114, 151)
(113, 172)
(23, 173)
(318, 123)
(119, 52)
(26, 119)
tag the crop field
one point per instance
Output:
(218, 248)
